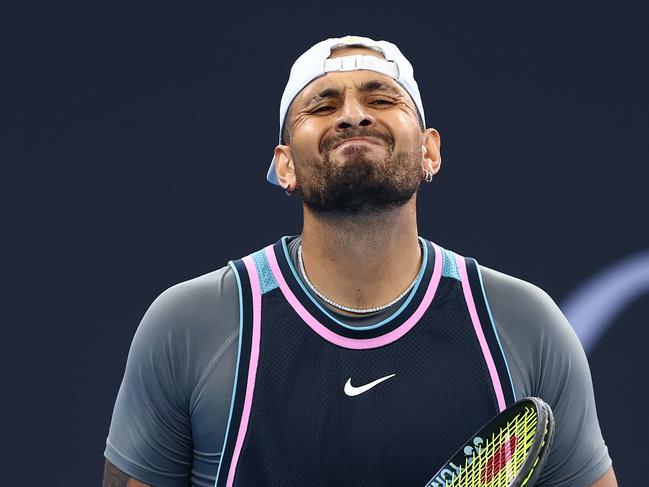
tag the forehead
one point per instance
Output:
(342, 82)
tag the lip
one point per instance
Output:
(367, 140)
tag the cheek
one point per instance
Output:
(407, 126)
(306, 140)
(408, 140)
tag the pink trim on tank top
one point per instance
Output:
(486, 352)
(252, 369)
(357, 343)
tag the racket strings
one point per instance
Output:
(503, 455)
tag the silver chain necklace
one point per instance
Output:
(347, 308)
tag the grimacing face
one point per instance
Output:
(355, 142)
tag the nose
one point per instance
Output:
(353, 114)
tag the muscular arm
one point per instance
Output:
(113, 477)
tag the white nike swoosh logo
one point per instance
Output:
(351, 391)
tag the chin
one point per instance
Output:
(355, 181)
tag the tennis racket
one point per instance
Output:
(509, 451)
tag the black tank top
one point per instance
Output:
(319, 403)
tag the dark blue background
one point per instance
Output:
(135, 138)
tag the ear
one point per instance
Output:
(284, 168)
(432, 157)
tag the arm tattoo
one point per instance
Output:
(113, 477)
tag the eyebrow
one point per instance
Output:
(327, 93)
(376, 85)
(366, 87)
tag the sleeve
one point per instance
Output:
(150, 436)
(549, 362)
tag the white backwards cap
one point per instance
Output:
(315, 63)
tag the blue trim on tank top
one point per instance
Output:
(449, 267)
(236, 371)
(493, 325)
(266, 278)
(368, 327)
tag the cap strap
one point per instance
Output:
(352, 63)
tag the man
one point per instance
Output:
(358, 353)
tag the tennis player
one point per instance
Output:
(357, 353)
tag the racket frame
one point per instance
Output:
(536, 456)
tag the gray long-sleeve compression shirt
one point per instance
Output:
(171, 412)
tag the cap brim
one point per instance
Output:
(271, 176)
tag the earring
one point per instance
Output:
(287, 192)
(428, 176)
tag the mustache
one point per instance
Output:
(329, 143)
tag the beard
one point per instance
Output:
(362, 184)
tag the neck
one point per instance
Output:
(362, 261)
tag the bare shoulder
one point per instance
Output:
(114, 477)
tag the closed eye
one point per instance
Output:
(323, 109)
(381, 102)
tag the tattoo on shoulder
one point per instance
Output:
(114, 477)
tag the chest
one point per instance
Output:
(388, 414)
